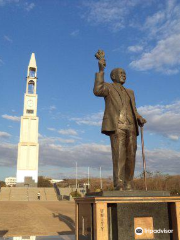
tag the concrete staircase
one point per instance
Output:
(50, 194)
(19, 194)
(33, 194)
(27, 194)
(5, 194)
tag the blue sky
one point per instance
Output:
(143, 37)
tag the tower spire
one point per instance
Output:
(32, 67)
(32, 62)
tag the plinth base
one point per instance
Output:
(136, 193)
(128, 217)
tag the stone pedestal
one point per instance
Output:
(132, 215)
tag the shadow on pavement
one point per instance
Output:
(3, 232)
(68, 221)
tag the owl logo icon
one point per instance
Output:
(138, 231)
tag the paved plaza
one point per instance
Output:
(36, 218)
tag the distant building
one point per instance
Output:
(25, 238)
(55, 181)
(10, 181)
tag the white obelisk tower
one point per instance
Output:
(28, 147)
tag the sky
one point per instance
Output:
(143, 37)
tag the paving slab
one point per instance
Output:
(36, 218)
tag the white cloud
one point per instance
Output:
(51, 108)
(4, 2)
(117, 49)
(5, 135)
(53, 140)
(161, 30)
(23, 4)
(76, 137)
(135, 48)
(29, 6)
(8, 39)
(173, 137)
(51, 129)
(112, 13)
(153, 22)
(163, 160)
(165, 22)
(75, 33)
(93, 156)
(164, 57)
(163, 119)
(8, 154)
(85, 154)
(12, 118)
(1, 62)
(68, 132)
(163, 27)
(91, 120)
(40, 135)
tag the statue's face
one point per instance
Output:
(120, 76)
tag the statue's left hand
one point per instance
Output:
(141, 121)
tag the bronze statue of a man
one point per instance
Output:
(121, 122)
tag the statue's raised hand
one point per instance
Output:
(102, 62)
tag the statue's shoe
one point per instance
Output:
(128, 186)
(119, 187)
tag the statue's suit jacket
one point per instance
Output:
(112, 94)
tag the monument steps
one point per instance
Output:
(50, 194)
(5, 194)
(19, 194)
(27, 194)
(33, 194)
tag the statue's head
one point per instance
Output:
(118, 75)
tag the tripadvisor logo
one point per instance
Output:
(139, 231)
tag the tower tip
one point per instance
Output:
(32, 62)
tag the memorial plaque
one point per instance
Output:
(146, 224)
(101, 221)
